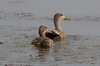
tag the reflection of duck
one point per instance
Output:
(57, 33)
(42, 41)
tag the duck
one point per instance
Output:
(57, 33)
(42, 41)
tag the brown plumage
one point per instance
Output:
(57, 33)
(42, 41)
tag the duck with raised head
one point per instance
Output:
(42, 41)
(57, 33)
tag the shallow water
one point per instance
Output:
(19, 22)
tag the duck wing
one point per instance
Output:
(52, 34)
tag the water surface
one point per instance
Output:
(19, 22)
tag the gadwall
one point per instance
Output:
(57, 33)
(42, 41)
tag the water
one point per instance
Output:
(19, 22)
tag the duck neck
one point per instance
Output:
(42, 33)
(57, 25)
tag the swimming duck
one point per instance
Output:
(42, 41)
(57, 33)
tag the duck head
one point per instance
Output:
(42, 30)
(58, 17)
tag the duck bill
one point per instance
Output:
(67, 18)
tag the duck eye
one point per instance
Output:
(46, 27)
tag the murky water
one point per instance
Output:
(19, 22)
